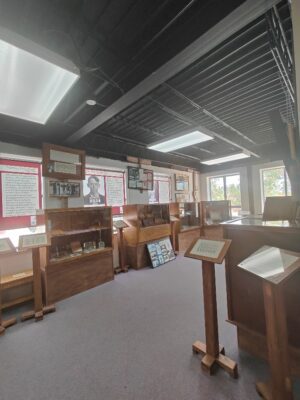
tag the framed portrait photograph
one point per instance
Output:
(94, 190)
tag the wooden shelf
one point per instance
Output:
(21, 278)
(78, 231)
(17, 301)
(79, 257)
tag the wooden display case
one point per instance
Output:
(212, 214)
(189, 226)
(245, 291)
(147, 222)
(80, 256)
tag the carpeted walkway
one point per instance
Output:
(130, 339)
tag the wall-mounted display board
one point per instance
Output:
(63, 163)
(64, 189)
(140, 178)
(20, 193)
(161, 252)
(182, 197)
(181, 183)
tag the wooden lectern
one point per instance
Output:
(36, 242)
(274, 267)
(120, 226)
(6, 247)
(211, 251)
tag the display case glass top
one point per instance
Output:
(215, 212)
(14, 234)
(271, 263)
(258, 221)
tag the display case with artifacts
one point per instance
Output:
(213, 213)
(146, 222)
(188, 227)
(80, 255)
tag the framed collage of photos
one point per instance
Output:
(140, 178)
(64, 189)
(160, 252)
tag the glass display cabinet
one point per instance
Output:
(80, 256)
(213, 213)
(147, 222)
(188, 224)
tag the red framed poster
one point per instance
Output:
(20, 193)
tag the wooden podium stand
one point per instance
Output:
(274, 267)
(120, 226)
(6, 247)
(211, 251)
(36, 242)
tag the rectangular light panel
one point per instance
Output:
(180, 142)
(221, 160)
(31, 85)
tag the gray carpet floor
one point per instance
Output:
(130, 339)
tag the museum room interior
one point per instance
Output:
(149, 199)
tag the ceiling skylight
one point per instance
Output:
(180, 142)
(33, 79)
(221, 160)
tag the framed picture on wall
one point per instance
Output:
(64, 189)
(181, 183)
(140, 178)
(182, 197)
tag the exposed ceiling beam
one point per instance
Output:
(195, 124)
(241, 16)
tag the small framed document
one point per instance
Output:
(32, 241)
(213, 250)
(6, 246)
(120, 224)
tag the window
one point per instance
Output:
(104, 188)
(226, 187)
(274, 182)
(161, 189)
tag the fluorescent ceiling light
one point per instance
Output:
(180, 142)
(33, 79)
(221, 160)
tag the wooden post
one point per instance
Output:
(280, 387)
(210, 308)
(39, 310)
(124, 267)
(213, 353)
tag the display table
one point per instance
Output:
(274, 267)
(245, 291)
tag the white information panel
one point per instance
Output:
(16, 188)
(207, 248)
(36, 240)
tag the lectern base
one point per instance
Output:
(6, 324)
(38, 315)
(209, 362)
